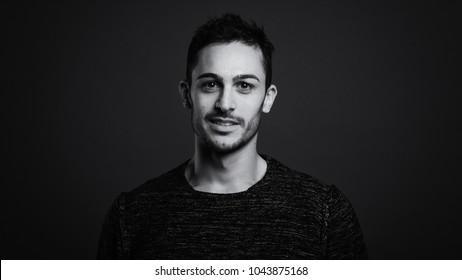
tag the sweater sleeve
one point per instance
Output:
(344, 237)
(110, 242)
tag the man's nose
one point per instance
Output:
(226, 100)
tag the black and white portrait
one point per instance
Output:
(231, 130)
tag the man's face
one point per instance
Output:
(228, 93)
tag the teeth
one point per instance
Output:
(224, 123)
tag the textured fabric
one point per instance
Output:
(286, 215)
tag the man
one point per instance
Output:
(228, 201)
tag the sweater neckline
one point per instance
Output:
(251, 189)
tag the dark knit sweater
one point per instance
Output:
(286, 215)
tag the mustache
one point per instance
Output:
(226, 115)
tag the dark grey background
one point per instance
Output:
(368, 100)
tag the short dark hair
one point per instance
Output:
(229, 28)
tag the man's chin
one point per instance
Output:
(225, 148)
(222, 147)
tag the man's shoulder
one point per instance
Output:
(166, 182)
(288, 177)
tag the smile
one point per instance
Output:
(221, 125)
(224, 122)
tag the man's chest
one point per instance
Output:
(265, 229)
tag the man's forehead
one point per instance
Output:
(233, 56)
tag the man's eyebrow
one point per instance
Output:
(245, 76)
(210, 75)
(238, 77)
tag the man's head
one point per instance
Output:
(226, 29)
(227, 87)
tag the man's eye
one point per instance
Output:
(246, 87)
(209, 86)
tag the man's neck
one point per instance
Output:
(214, 172)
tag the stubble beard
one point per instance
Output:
(214, 145)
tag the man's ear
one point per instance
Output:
(183, 88)
(270, 95)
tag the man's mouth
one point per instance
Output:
(223, 121)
